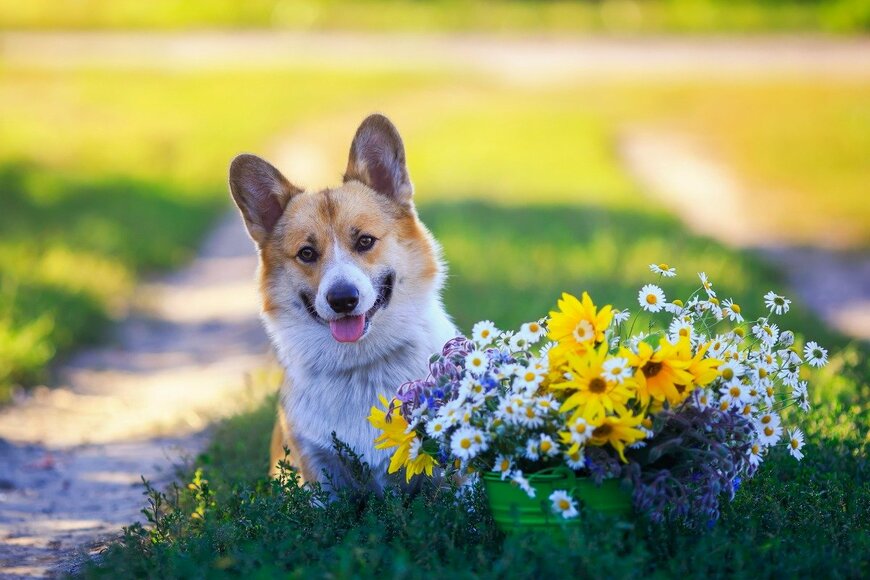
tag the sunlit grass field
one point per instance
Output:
(506, 16)
(110, 176)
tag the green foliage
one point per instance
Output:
(793, 519)
(622, 16)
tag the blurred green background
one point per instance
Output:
(111, 172)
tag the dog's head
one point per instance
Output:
(336, 264)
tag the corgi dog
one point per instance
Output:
(350, 281)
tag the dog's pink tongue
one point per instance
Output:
(348, 329)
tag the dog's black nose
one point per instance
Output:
(342, 298)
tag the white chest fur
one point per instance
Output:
(331, 387)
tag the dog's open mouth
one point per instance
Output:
(353, 328)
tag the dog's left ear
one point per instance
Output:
(377, 159)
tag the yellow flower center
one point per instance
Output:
(713, 300)
(476, 362)
(647, 423)
(762, 372)
(734, 391)
(678, 302)
(574, 456)
(484, 333)
(755, 449)
(534, 327)
(684, 332)
(794, 443)
(727, 373)
(530, 413)
(651, 369)
(747, 410)
(739, 331)
(529, 376)
(664, 266)
(465, 443)
(766, 419)
(651, 299)
(735, 308)
(564, 505)
(597, 385)
(723, 406)
(602, 431)
(616, 371)
(546, 446)
(504, 465)
(768, 431)
(581, 428)
(437, 427)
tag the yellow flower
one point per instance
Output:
(703, 370)
(395, 435)
(659, 372)
(423, 462)
(593, 395)
(578, 325)
(619, 430)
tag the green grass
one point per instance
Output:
(509, 263)
(110, 176)
(644, 16)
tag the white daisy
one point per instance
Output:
(663, 270)
(732, 310)
(466, 443)
(529, 415)
(583, 332)
(484, 332)
(436, 428)
(731, 370)
(527, 379)
(706, 284)
(801, 395)
(681, 329)
(518, 342)
(546, 403)
(816, 356)
(580, 430)
(533, 331)
(718, 345)
(521, 481)
(576, 460)
(532, 451)
(735, 392)
(471, 389)
(476, 362)
(414, 448)
(769, 429)
(547, 446)
(702, 398)
(508, 412)
(620, 316)
(503, 465)
(651, 298)
(777, 304)
(616, 370)
(756, 454)
(796, 443)
(766, 332)
(563, 504)
(786, 339)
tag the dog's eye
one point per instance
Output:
(365, 243)
(307, 254)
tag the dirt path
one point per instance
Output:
(701, 190)
(72, 456)
(511, 59)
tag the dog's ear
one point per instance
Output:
(377, 159)
(261, 193)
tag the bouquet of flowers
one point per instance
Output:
(680, 412)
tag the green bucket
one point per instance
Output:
(513, 510)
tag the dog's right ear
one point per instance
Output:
(261, 193)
